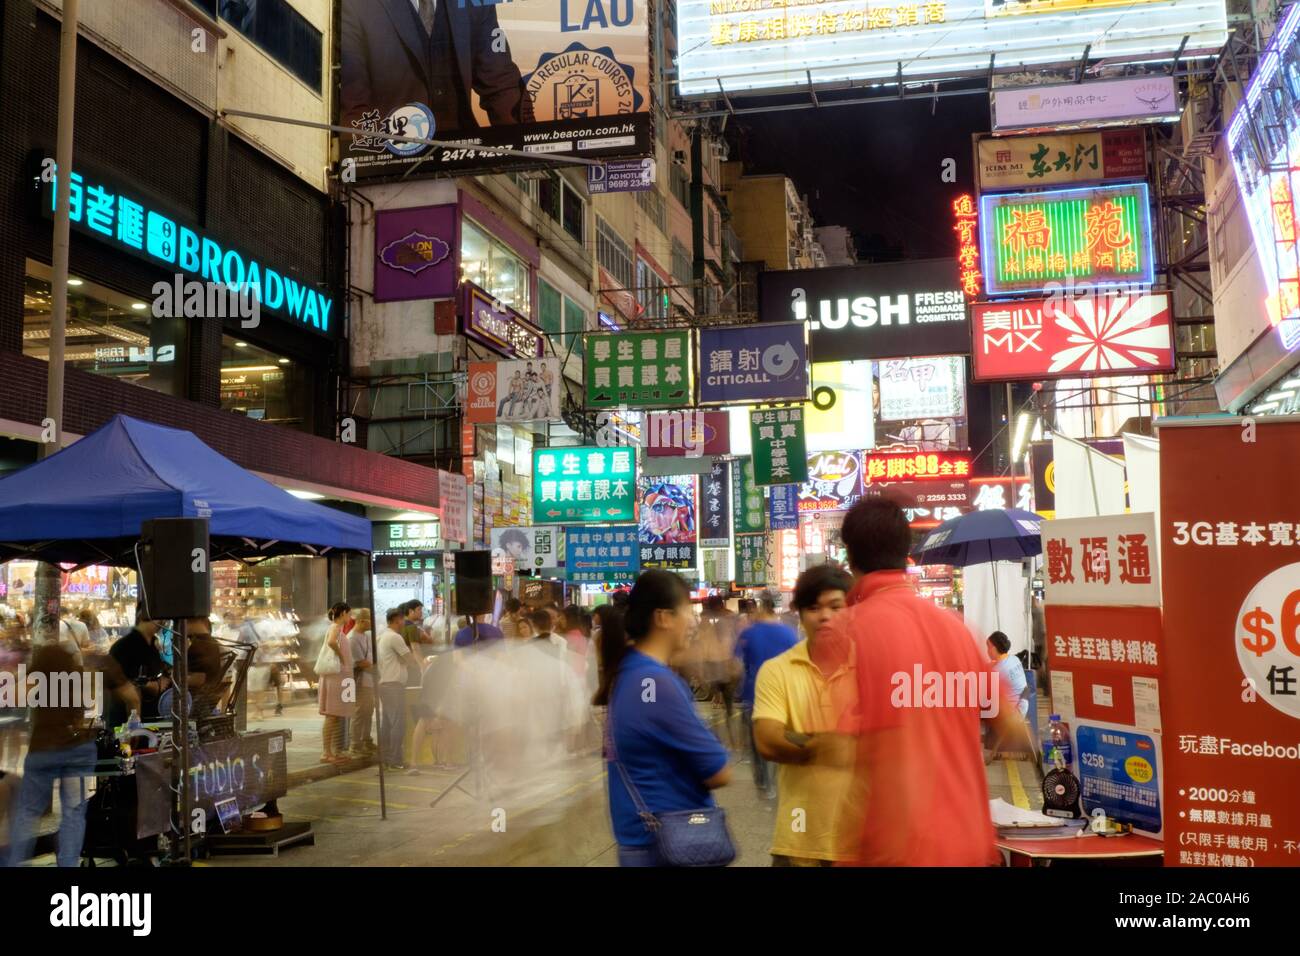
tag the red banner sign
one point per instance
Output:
(1231, 575)
(884, 466)
(1072, 337)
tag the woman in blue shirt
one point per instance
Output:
(652, 727)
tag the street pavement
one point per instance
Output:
(559, 818)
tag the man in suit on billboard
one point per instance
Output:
(434, 52)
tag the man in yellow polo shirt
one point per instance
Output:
(796, 710)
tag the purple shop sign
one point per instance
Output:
(767, 362)
(415, 253)
(499, 326)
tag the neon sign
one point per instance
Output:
(968, 253)
(1099, 234)
(119, 220)
(1264, 141)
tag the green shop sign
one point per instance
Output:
(641, 369)
(751, 561)
(584, 485)
(780, 455)
(747, 507)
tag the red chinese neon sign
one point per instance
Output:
(968, 252)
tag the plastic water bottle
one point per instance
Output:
(1057, 752)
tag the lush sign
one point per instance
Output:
(583, 485)
(642, 369)
(1096, 235)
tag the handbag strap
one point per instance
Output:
(648, 819)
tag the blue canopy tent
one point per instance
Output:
(85, 504)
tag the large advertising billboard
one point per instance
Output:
(1063, 159)
(1072, 337)
(752, 45)
(550, 77)
(884, 310)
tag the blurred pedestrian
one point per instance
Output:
(763, 639)
(795, 724)
(361, 643)
(392, 655)
(336, 692)
(509, 622)
(919, 767)
(476, 631)
(655, 739)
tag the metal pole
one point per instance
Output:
(374, 679)
(48, 579)
(181, 731)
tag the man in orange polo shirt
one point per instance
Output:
(922, 688)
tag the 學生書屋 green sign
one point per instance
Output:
(584, 485)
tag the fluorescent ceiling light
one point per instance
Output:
(305, 495)
(1022, 429)
(1292, 384)
(138, 306)
(416, 516)
(1264, 406)
(1279, 396)
(75, 282)
(241, 345)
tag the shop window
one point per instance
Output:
(282, 32)
(262, 385)
(107, 333)
(561, 202)
(493, 267)
(613, 254)
(550, 311)
(575, 323)
(651, 291)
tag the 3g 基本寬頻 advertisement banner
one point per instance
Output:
(550, 77)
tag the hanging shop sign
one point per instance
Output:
(715, 506)
(1098, 234)
(453, 489)
(1072, 337)
(966, 225)
(906, 464)
(717, 566)
(777, 440)
(639, 369)
(529, 548)
(752, 568)
(753, 46)
(754, 363)
(922, 388)
(134, 226)
(834, 482)
(927, 504)
(746, 498)
(1263, 137)
(1231, 584)
(669, 526)
(584, 485)
(1106, 561)
(412, 563)
(842, 411)
(786, 558)
(624, 176)
(688, 434)
(500, 327)
(550, 78)
(523, 390)
(1003, 491)
(1063, 159)
(415, 254)
(878, 310)
(1146, 99)
(783, 507)
(610, 554)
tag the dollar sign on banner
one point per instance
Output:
(1262, 640)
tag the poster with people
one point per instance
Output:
(669, 532)
(544, 76)
(519, 390)
(529, 548)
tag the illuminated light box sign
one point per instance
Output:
(1063, 159)
(1140, 99)
(584, 485)
(129, 225)
(1097, 235)
(753, 45)
(878, 310)
(1072, 337)
(912, 465)
(1266, 161)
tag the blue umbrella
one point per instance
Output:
(999, 534)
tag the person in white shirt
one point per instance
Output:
(393, 656)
